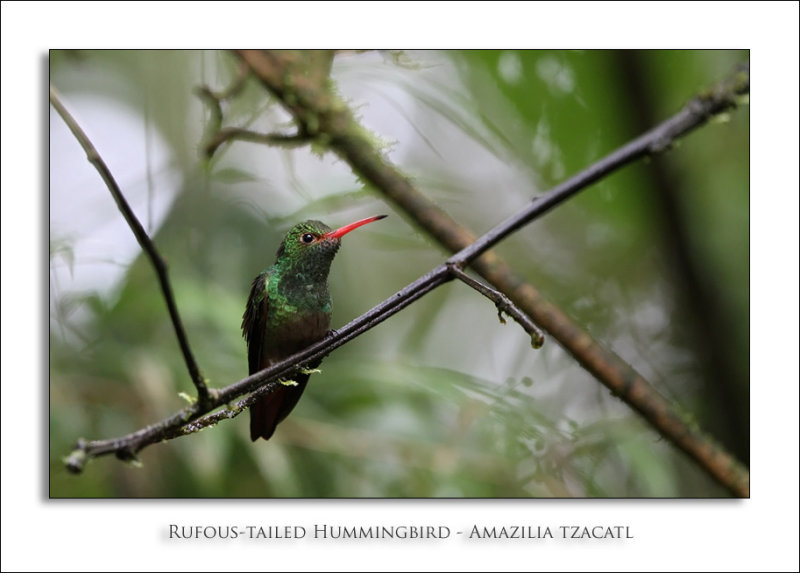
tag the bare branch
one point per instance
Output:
(144, 240)
(503, 304)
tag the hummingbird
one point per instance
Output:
(289, 308)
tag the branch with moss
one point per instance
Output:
(229, 134)
(306, 94)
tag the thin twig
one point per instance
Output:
(503, 304)
(220, 135)
(214, 99)
(236, 86)
(142, 237)
(227, 134)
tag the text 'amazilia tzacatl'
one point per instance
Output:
(289, 308)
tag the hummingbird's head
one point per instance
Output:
(307, 240)
(314, 241)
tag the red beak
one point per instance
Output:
(339, 233)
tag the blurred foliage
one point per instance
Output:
(441, 400)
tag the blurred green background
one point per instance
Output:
(441, 400)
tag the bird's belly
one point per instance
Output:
(301, 331)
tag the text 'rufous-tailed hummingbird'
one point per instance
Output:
(289, 308)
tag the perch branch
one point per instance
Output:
(144, 240)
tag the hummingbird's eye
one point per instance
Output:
(307, 238)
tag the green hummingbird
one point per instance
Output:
(289, 308)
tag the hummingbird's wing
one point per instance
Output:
(254, 321)
(254, 329)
